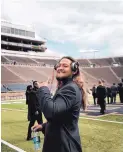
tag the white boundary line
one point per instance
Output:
(12, 100)
(12, 103)
(12, 146)
(13, 110)
(99, 116)
(79, 116)
(115, 113)
(101, 120)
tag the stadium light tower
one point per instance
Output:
(89, 51)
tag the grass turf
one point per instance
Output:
(20, 106)
(96, 136)
(5, 148)
(113, 117)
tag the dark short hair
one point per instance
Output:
(28, 87)
(69, 58)
(34, 82)
(99, 81)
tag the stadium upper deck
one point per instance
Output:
(20, 38)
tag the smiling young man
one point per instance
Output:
(61, 111)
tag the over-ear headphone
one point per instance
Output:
(74, 65)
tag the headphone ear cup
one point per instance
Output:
(55, 67)
(74, 66)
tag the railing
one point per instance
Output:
(21, 44)
(11, 63)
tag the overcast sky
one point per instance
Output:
(72, 27)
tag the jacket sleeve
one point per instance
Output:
(44, 127)
(26, 98)
(97, 92)
(105, 92)
(59, 106)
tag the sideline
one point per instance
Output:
(102, 120)
(12, 146)
(12, 102)
(117, 122)
(13, 110)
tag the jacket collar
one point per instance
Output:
(64, 82)
(67, 80)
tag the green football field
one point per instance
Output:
(96, 135)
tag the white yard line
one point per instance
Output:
(102, 120)
(99, 116)
(11, 102)
(13, 110)
(115, 113)
(12, 146)
(79, 117)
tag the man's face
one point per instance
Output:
(36, 84)
(64, 69)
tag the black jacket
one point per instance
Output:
(94, 91)
(108, 92)
(120, 90)
(114, 89)
(101, 92)
(62, 114)
(27, 97)
(33, 103)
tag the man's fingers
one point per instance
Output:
(37, 128)
(34, 126)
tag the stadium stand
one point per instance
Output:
(47, 61)
(104, 73)
(89, 79)
(14, 86)
(119, 60)
(102, 62)
(83, 62)
(4, 60)
(46, 71)
(27, 73)
(118, 71)
(22, 60)
(9, 77)
(3, 89)
(17, 76)
(22, 52)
